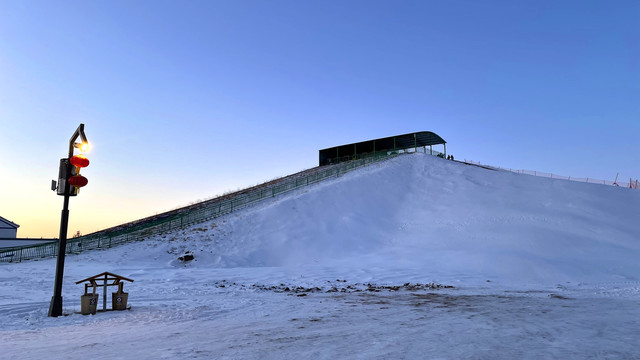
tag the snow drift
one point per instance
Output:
(437, 217)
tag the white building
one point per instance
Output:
(8, 230)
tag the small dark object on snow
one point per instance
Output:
(556, 296)
(186, 257)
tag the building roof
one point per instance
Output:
(392, 143)
(6, 224)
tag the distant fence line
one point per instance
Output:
(632, 184)
(206, 210)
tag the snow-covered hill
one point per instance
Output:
(416, 257)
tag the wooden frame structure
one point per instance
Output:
(104, 279)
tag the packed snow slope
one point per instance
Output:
(438, 219)
(351, 268)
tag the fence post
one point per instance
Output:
(20, 255)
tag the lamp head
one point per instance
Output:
(83, 146)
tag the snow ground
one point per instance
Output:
(533, 268)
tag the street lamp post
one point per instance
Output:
(64, 189)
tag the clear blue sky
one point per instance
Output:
(183, 100)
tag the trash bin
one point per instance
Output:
(119, 300)
(88, 304)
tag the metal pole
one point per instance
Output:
(55, 307)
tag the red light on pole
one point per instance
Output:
(78, 181)
(79, 161)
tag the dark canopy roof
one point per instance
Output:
(398, 142)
